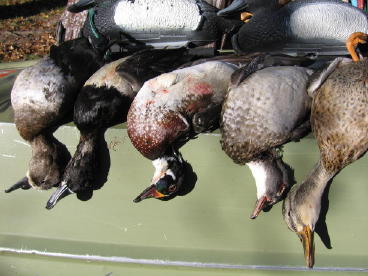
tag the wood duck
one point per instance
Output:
(42, 99)
(158, 23)
(103, 102)
(168, 111)
(340, 125)
(263, 110)
(308, 26)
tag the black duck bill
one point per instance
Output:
(150, 192)
(21, 184)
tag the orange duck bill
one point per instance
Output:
(306, 236)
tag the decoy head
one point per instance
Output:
(353, 41)
(301, 216)
(250, 6)
(167, 179)
(273, 180)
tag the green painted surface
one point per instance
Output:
(210, 224)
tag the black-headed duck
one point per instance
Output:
(340, 124)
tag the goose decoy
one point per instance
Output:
(298, 27)
(42, 98)
(103, 102)
(263, 110)
(158, 23)
(168, 111)
(340, 125)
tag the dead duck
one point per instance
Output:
(167, 111)
(340, 125)
(42, 98)
(308, 26)
(158, 23)
(263, 110)
(104, 101)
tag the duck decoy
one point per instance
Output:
(103, 102)
(158, 23)
(168, 111)
(340, 124)
(42, 98)
(296, 27)
(265, 108)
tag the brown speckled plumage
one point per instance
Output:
(262, 112)
(339, 115)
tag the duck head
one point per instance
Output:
(273, 180)
(47, 164)
(250, 6)
(301, 217)
(167, 179)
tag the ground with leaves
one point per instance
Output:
(27, 28)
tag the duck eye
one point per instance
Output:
(172, 188)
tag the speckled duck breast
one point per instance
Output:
(163, 108)
(263, 110)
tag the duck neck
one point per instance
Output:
(89, 143)
(313, 187)
(269, 178)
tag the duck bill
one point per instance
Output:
(307, 238)
(150, 192)
(21, 184)
(260, 204)
(60, 193)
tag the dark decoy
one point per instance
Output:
(158, 23)
(340, 124)
(104, 102)
(298, 27)
(263, 110)
(42, 99)
(168, 111)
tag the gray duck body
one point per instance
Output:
(263, 111)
